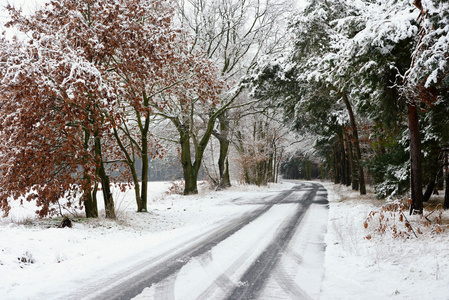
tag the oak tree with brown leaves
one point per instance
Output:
(50, 106)
(110, 64)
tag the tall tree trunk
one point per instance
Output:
(344, 160)
(349, 170)
(94, 200)
(190, 176)
(337, 164)
(223, 162)
(446, 195)
(104, 179)
(90, 203)
(435, 171)
(144, 131)
(145, 162)
(415, 160)
(429, 190)
(356, 144)
(191, 169)
(353, 164)
(145, 175)
(277, 162)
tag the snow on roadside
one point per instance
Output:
(382, 267)
(39, 261)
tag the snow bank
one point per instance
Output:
(382, 267)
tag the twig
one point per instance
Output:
(431, 213)
(407, 222)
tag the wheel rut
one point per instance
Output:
(131, 284)
(255, 277)
(162, 271)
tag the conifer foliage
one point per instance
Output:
(369, 78)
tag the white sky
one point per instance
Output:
(31, 5)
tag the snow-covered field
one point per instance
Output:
(40, 261)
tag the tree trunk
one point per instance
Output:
(356, 143)
(145, 175)
(144, 131)
(346, 166)
(130, 160)
(223, 162)
(337, 164)
(344, 161)
(429, 190)
(89, 206)
(105, 184)
(352, 162)
(94, 200)
(433, 177)
(415, 160)
(446, 195)
(90, 203)
(145, 170)
(190, 175)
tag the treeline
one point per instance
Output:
(92, 91)
(371, 81)
(302, 167)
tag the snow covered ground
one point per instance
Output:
(382, 267)
(40, 261)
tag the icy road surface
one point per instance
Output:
(273, 251)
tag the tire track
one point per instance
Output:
(223, 281)
(134, 281)
(255, 277)
(289, 285)
(166, 289)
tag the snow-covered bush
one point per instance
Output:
(392, 219)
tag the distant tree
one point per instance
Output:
(260, 141)
(300, 166)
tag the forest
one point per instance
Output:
(91, 91)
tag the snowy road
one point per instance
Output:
(274, 251)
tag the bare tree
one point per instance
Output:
(234, 34)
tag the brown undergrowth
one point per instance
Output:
(392, 218)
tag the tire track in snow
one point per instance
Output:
(289, 285)
(296, 279)
(223, 281)
(134, 281)
(255, 277)
(166, 288)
